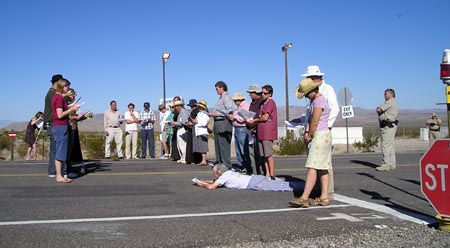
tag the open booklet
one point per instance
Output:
(246, 114)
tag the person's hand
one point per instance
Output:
(230, 116)
(307, 137)
(106, 133)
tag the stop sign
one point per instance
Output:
(435, 176)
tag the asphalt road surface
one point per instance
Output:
(152, 203)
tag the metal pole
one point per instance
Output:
(287, 89)
(164, 82)
(346, 124)
(12, 149)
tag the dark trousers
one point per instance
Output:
(148, 136)
(222, 145)
(51, 151)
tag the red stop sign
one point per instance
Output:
(435, 176)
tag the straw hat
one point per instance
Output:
(305, 86)
(177, 103)
(238, 96)
(202, 104)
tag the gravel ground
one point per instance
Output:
(413, 235)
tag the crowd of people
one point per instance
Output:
(184, 134)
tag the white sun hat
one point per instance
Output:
(312, 70)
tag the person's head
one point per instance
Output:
(433, 115)
(221, 87)
(238, 98)
(62, 86)
(307, 88)
(39, 115)
(313, 72)
(254, 91)
(219, 169)
(161, 108)
(267, 91)
(146, 105)
(388, 94)
(131, 107)
(56, 78)
(176, 98)
(113, 105)
(192, 103)
(178, 105)
(70, 95)
(202, 105)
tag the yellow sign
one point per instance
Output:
(447, 93)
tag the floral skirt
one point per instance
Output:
(319, 155)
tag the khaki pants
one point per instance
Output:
(433, 135)
(131, 139)
(387, 145)
(116, 135)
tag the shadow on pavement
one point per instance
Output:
(365, 163)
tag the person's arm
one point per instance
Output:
(208, 184)
(317, 111)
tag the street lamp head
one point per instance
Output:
(165, 56)
(286, 47)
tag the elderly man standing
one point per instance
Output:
(255, 93)
(111, 121)
(223, 129)
(387, 117)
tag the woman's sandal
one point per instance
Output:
(299, 203)
(321, 202)
(66, 180)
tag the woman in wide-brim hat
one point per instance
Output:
(319, 137)
(200, 141)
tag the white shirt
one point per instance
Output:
(330, 95)
(202, 123)
(163, 118)
(132, 126)
(234, 180)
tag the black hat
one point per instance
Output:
(56, 78)
(192, 103)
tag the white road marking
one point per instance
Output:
(34, 222)
(341, 216)
(409, 216)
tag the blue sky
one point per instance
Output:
(111, 50)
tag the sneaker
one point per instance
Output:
(51, 175)
(383, 168)
(107, 157)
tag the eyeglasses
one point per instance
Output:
(265, 93)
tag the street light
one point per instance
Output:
(284, 49)
(165, 57)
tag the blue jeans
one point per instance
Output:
(150, 136)
(51, 152)
(242, 147)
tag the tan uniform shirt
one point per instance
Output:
(390, 110)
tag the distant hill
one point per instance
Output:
(363, 117)
(4, 123)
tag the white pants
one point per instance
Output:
(131, 140)
(181, 143)
(116, 135)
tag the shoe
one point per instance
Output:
(51, 175)
(299, 203)
(120, 157)
(277, 178)
(321, 202)
(383, 168)
(136, 158)
(107, 157)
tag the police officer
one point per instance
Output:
(387, 117)
(434, 127)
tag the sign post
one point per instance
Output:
(345, 98)
(12, 136)
(435, 177)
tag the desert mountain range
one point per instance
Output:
(362, 117)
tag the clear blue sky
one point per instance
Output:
(111, 49)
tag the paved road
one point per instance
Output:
(152, 203)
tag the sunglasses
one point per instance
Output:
(265, 93)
